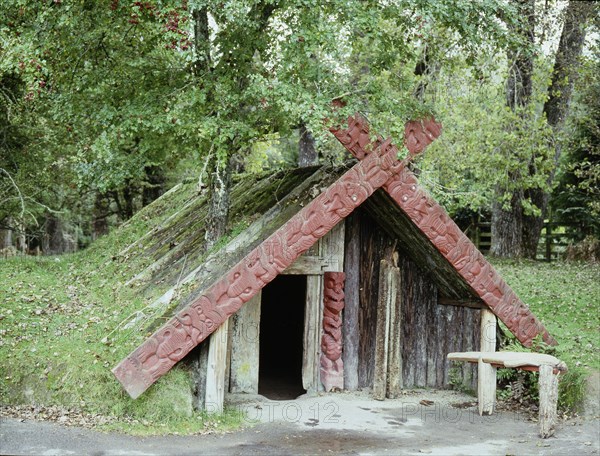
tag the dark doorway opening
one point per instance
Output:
(281, 337)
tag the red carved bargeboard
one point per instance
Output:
(192, 325)
(332, 366)
(445, 235)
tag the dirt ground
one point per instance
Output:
(330, 424)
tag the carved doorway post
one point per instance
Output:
(332, 365)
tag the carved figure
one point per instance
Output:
(332, 366)
(418, 134)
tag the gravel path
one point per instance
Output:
(334, 424)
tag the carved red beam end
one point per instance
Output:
(193, 324)
(332, 366)
(445, 235)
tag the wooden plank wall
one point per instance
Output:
(374, 246)
(429, 330)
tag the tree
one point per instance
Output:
(519, 209)
(507, 213)
(117, 94)
(556, 109)
(576, 200)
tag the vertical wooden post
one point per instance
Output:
(389, 278)
(549, 241)
(486, 373)
(313, 323)
(382, 335)
(351, 306)
(394, 364)
(245, 348)
(217, 363)
(548, 385)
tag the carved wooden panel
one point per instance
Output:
(154, 357)
(332, 366)
(445, 235)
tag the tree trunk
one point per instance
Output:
(6, 233)
(100, 213)
(507, 224)
(57, 240)
(566, 64)
(556, 108)
(201, 41)
(423, 68)
(519, 84)
(218, 212)
(307, 153)
(154, 185)
(128, 203)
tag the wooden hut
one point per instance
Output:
(354, 278)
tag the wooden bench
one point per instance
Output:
(548, 366)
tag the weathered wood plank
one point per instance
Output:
(548, 386)
(245, 348)
(394, 362)
(420, 349)
(510, 359)
(215, 375)
(466, 330)
(474, 303)
(433, 337)
(382, 330)
(369, 272)
(486, 373)
(310, 265)
(408, 327)
(441, 361)
(313, 323)
(351, 296)
(452, 315)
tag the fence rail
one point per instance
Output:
(553, 242)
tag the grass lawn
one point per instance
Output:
(566, 298)
(61, 331)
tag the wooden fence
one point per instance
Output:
(551, 247)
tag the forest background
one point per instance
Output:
(105, 105)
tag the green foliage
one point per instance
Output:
(102, 91)
(518, 386)
(576, 200)
(485, 145)
(572, 390)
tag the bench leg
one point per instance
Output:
(486, 373)
(486, 388)
(548, 385)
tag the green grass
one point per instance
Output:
(566, 298)
(61, 333)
